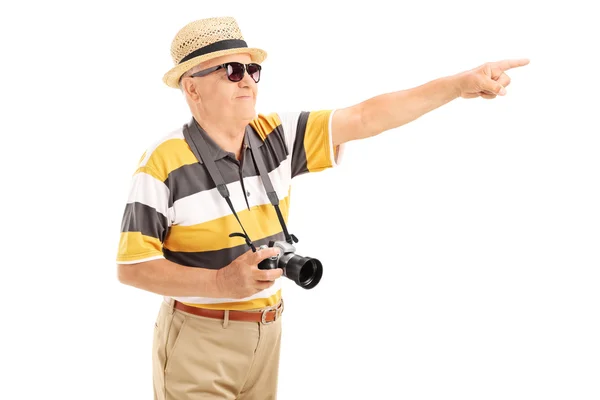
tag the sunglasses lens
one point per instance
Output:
(254, 71)
(235, 71)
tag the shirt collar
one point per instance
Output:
(251, 139)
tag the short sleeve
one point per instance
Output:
(308, 135)
(305, 135)
(145, 221)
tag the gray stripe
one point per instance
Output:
(139, 217)
(193, 178)
(215, 259)
(299, 163)
(275, 150)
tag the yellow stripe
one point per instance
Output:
(241, 305)
(316, 141)
(141, 158)
(259, 222)
(265, 124)
(134, 246)
(167, 157)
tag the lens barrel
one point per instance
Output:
(305, 271)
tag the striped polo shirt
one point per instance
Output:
(174, 210)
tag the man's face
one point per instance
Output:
(221, 98)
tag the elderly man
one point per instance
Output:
(208, 201)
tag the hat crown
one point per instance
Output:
(201, 33)
(205, 39)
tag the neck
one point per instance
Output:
(229, 135)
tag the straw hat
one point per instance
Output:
(203, 40)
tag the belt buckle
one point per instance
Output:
(278, 311)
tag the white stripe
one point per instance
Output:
(208, 204)
(148, 190)
(141, 260)
(334, 161)
(176, 134)
(209, 300)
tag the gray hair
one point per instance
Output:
(189, 72)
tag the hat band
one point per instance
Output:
(217, 46)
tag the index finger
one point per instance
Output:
(266, 253)
(267, 274)
(505, 65)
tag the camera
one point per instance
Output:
(305, 271)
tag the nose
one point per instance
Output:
(246, 81)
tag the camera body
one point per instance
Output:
(305, 271)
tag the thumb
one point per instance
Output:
(494, 87)
(263, 254)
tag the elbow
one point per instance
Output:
(126, 274)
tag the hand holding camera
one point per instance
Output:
(242, 277)
(305, 271)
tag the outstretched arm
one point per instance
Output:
(391, 110)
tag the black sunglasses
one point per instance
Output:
(235, 71)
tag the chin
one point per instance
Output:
(249, 113)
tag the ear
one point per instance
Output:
(190, 89)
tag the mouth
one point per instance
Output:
(244, 97)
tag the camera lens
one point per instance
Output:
(305, 271)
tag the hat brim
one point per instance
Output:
(172, 77)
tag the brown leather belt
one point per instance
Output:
(266, 316)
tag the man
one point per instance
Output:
(218, 329)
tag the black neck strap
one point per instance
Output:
(199, 147)
(201, 153)
(260, 164)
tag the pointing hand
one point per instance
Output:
(488, 80)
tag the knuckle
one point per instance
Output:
(265, 276)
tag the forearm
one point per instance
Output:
(391, 110)
(170, 279)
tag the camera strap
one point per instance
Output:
(193, 137)
(201, 153)
(260, 164)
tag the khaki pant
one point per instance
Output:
(197, 357)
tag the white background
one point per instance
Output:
(460, 251)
